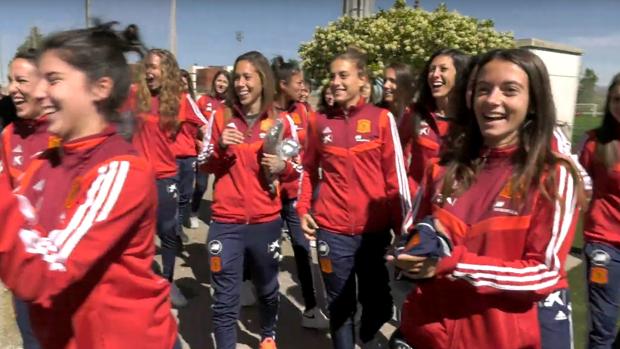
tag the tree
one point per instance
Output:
(34, 40)
(401, 33)
(587, 87)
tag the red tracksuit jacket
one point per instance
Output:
(207, 104)
(191, 117)
(506, 257)
(157, 145)
(364, 184)
(22, 141)
(240, 194)
(425, 147)
(77, 243)
(299, 114)
(602, 221)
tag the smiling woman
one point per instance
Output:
(357, 147)
(509, 207)
(81, 221)
(246, 212)
(21, 141)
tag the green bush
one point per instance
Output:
(402, 34)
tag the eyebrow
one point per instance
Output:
(509, 82)
(52, 73)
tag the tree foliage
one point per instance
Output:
(401, 33)
(587, 87)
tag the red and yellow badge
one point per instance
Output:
(296, 118)
(266, 124)
(216, 264)
(53, 142)
(506, 190)
(326, 265)
(598, 275)
(363, 126)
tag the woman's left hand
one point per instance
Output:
(415, 267)
(273, 164)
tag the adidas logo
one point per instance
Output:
(18, 149)
(560, 316)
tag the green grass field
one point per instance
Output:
(583, 124)
(577, 276)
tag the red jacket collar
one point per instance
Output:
(500, 152)
(238, 112)
(88, 142)
(338, 111)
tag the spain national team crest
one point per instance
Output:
(363, 126)
(53, 142)
(296, 118)
(266, 124)
(506, 192)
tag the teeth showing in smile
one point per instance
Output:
(493, 117)
(437, 84)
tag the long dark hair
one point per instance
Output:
(426, 102)
(283, 71)
(99, 52)
(190, 86)
(261, 64)
(405, 89)
(607, 133)
(464, 145)
(213, 93)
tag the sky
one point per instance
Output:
(207, 29)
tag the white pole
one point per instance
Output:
(173, 27)
(1, 62)
(87, 12)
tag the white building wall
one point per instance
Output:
(564, 66)
(564, 71)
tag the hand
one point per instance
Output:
(309, 226)
(199, 145)
(273, 163)
(230, 136)
(202, 131)
(439, 227)
(414, 267)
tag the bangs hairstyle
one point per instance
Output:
(170, 91)
(607, 134)
(283, 71)
(534, 160)
(405, 88)
(261, 64)
(98, 52)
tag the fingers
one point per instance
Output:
(439, 227)
(309, 227)
(231, 136)
(310, 237)
(411, 259)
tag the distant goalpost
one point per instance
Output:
(587, 109)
